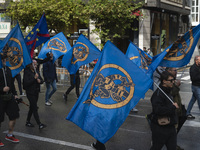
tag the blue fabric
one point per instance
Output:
(113, 89)
(38, 35)
(139, 57)
(180, 52)
(58, 45)
(83, 52)
(15, 48)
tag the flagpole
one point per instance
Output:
(4, 77)
(164, 93)
(34, 68)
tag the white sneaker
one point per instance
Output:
(23, 94)
(48, 104)
(134, 110)
(50, 101)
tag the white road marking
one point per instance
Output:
(44, 139)
(137, 116)
(135, 131)
(185, 78)
(191, 123)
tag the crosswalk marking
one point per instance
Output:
(185, 78)
(39, 138)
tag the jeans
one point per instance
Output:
(195, 96)
(48, 93)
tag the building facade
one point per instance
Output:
(163, 22)
(195, 20)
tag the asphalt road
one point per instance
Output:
(62, 134)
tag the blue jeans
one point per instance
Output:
(195, 96)
(48, 93)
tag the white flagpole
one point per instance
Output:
(164, 93)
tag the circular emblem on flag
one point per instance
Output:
(111, 91)
(14, 52)
(180, 48)
(57, 45)
(80, 52)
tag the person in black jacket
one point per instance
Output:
(8, 104)
(164, 133)
(50, 78)
(31, 84)
(195, 78)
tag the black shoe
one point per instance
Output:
(65, 97)
(28, 124)
(93, 145)
(41, 126)
(190, 116)
(179, 148)
(98, 146)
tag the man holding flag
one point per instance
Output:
(164, 115)
(8, 98)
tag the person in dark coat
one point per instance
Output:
(8, 104)
(164, 132)
(195, 78)
(50, 78)
(31, 84)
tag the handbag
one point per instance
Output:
(163, 121)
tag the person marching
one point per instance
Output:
(50, 78)
(75, 82)
(164, 116)
(8, 97)
(31, 84)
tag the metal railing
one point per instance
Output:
(64, 76)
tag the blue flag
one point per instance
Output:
(58, 45)
(146, 62)
(38, 35)
(113, 89)
(15, 48)
(83, 52)
(180, 52)
(139, 57)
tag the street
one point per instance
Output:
(61, 134)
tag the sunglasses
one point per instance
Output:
(172, 80)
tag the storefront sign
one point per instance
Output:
(4, 27)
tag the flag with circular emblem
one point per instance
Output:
(14, 48)
(115, 86)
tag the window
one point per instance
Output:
(195, 11)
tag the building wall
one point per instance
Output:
(94, 38)
(145, 30)
(162, 23)
(195, 20)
